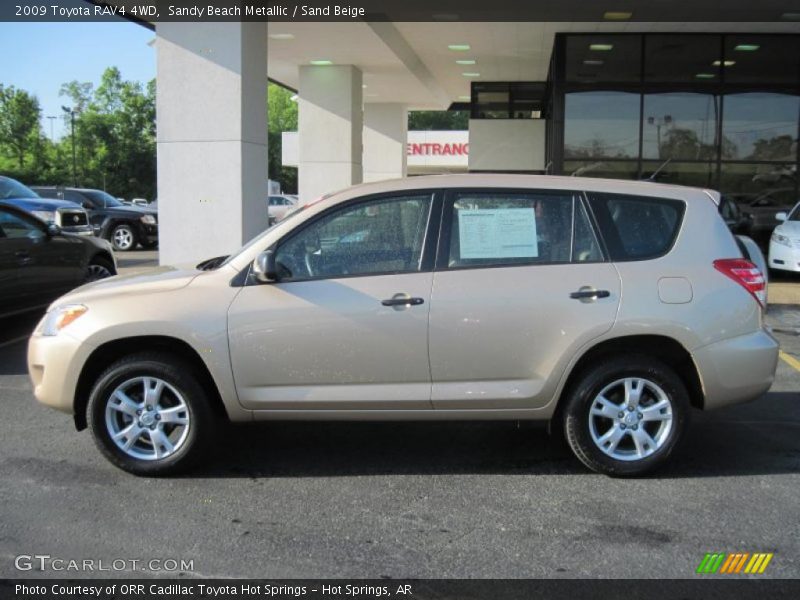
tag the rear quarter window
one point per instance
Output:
(637, 227)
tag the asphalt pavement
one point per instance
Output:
(404, 500)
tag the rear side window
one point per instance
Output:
(637, 227)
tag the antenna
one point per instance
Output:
(658, 170)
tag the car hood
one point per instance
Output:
(30, 204)
(160, 279)
(130, 211)
(789, 228)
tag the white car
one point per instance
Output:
(784, 245)
(280, 205)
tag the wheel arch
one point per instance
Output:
(664, 348)
(105, 354)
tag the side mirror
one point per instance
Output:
(781, 216)
(264, 267)
(53, 230)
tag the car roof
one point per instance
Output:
(544, 182)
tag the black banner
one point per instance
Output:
(154, 11)
(412, 589)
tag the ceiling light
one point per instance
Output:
(612, 15)
(792, 16)
(465, 62)
(593, 63)
(471, 74)
(320, 62)
(601, 47)
(746, 47)
(727, 63)
(705, 76)
(465, 98)
(281, 36)
(459, 47)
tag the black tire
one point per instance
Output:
(583, 395)
(123, 237)
(99, 268)
(174, 372)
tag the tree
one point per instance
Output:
(438, 120)
(20, 129)
(281, 116)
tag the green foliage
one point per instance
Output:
(114, 137)
(281, 116)
(438, 120)
(20, 130)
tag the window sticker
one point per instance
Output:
(498, 233)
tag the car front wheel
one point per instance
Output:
(123, 238)
(99, 268)
(149, 415)
(626, 416)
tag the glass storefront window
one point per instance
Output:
(596, 58)
(680, 126)
(745, 183)
(693, 174)
(599, 168)
(682, 58)
(762, 59)
(761, 126)
(601, 125)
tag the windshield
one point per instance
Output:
(103, 198)
(795, 214)
(10, 188)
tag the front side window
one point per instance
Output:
(14, 227)
(505, 228)
(374, 237)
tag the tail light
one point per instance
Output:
(746, 274)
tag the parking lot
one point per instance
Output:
(404, 499)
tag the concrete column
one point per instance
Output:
(330, 118)
(385, 134)
(211, 107)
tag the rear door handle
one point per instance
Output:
(402, 300)
(588, 294)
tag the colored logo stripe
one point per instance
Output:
(734, 562)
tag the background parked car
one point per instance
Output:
(69, 216)
(784, 245)
(123, 225)
(280, 205)
(39, 262)
(763, 209)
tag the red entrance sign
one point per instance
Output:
(436, 149)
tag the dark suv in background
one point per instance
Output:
(123, 225)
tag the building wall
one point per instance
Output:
(506, 144)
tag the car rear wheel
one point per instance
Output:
(149, 415)
(626, 416)
(99, 268)
(123, 238)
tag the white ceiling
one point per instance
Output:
(410, 62)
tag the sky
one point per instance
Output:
(39, 57)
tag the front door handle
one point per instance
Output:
(402, 300)
(22, 256)
(586, 293)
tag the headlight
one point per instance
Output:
(60, 317)
(148, 220)
(781, 239)
(48, 216)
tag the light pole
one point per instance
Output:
(666, 121)
(71, 112)
(52, 135)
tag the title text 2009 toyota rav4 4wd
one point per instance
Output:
(609, 308)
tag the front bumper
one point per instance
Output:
(86, 230)
(54, 365)
(784, 258)
(148, 233)
(738, 369)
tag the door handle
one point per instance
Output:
(589, 294)
(22, 257)
(402, 300)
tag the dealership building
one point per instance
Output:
(713, 103)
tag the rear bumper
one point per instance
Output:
(737, 370)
